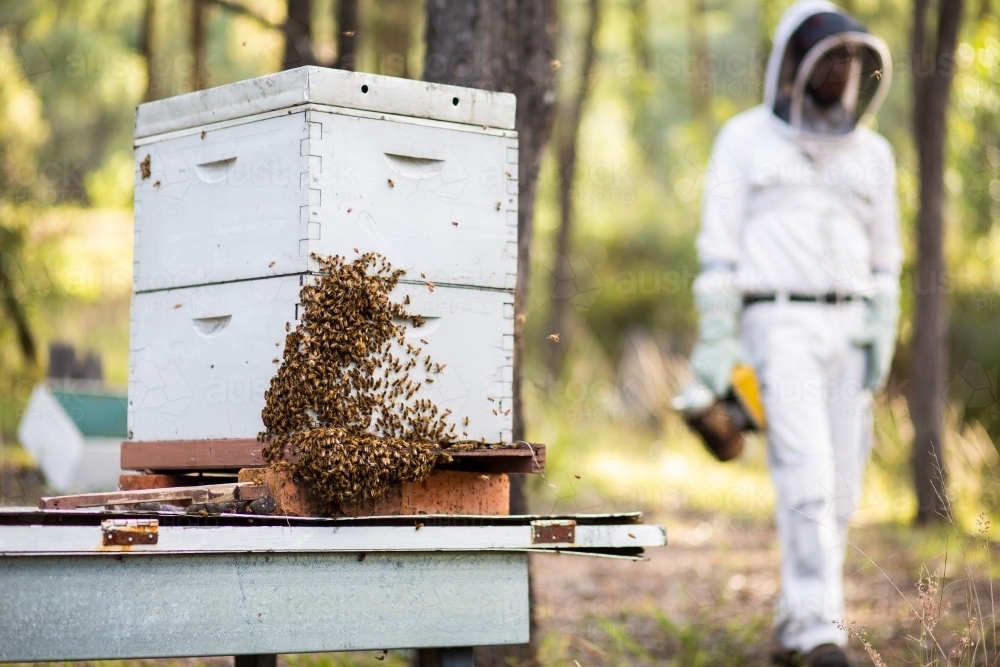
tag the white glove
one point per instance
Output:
(718, 348)
(878, 335)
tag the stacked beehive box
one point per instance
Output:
(236, 188)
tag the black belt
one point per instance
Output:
(831, 298)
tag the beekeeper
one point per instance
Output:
(800, 259)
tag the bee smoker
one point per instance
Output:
(721, 422)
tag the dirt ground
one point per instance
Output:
(707, 598)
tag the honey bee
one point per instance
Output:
(430, 286)
(484, 477)
(877, 74)
(424, 341)
(270, 265)
(506, 412)
(454, 223)
(354, 429)
(499, 205)
(349, 210)
(203, 131)
(156, 184)
(553, 337)
(490, 399)
(391, 184)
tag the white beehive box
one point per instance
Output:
(202, 357)
(247, 180)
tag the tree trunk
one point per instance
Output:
(347, 35)
(564, 287)
(698, 44)
(10, 303)
(932, 77)
(534, 85)
(298, 43)
(639, 28)
(504, 45)
(199, 78)
(390, 29)
(469, 43)
(146, 47)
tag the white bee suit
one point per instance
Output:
(800, 201)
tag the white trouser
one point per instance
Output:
(819, 435)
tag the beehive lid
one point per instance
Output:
(333, 87)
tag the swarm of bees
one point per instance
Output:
(343, 401)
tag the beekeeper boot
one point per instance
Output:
(824, 655)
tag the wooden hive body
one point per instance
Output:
(237, 186)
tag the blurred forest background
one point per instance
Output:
(641, 88)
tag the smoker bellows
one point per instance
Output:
(236, 188)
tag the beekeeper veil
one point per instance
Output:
(826, 71)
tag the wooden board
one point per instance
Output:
(234, 454)
(161, 481)
(195, 494)
(443, 492)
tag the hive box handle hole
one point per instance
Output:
(414, 167)
(209, 327)
(215, 172)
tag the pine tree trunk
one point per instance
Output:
(199, 78)
(391, 31)
(565, 287)
(347, 35)
(146, 47)
(504, 45)
(932, 77)
(298, 44)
